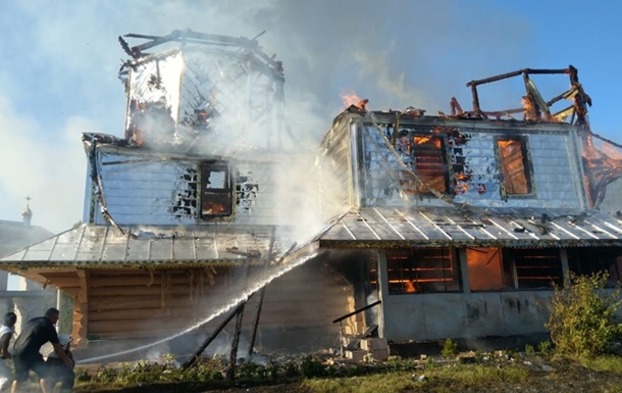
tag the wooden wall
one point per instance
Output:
(136, 303)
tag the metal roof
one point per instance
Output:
(105, 246)
(391, 227)
(370, 227)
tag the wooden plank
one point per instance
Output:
(80, 308)
(145, 313)
(138, 291)
(65, 281)
(119, 281)
(110, 303)
(154, 334)
(147, 326)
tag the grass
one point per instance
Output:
(603, 363)
(453, 379)
(489, 372)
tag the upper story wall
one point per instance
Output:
(144, 187)
(483, 163)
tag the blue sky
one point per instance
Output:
(58, 70)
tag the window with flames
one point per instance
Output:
(425, 270)
(496, 269)
(514, 166)
(425, 154)
(216, 194)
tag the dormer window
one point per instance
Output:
(514, 166)
(429, 163)
(215, 190)
(425, 154)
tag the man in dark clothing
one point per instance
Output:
(57, 371)
(26, 355)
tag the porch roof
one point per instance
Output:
(395, 227)
(155, 247)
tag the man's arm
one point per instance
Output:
(4, 346)
(60, 351)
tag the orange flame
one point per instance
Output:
(420, 140)
(409, 286)
(350, 99)
(353, 99)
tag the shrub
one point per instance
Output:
(545, 348)
(450, 349)
(582, 319)
(311, 367)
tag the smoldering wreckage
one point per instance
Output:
(423, 227)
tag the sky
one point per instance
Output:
(59, 64)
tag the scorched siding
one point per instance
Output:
(335, 169)
(162, 190)
(551, 169)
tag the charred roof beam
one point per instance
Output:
(580, 98)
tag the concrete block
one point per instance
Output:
(357, 355)
(380, 354)
(371, 344)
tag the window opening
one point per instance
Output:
(494, 269)
(429, 163)
(422, 271)
(215, 190)
(514, 166)
(588, 261)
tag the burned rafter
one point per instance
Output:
(260, 60)
(534, 106)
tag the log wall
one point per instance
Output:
(136, 303)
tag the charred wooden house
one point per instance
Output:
(452, 226)
(189, 209)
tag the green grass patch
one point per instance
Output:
(452, 378)
(603, 363)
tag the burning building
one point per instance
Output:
(422, 227)
(472, 219)
(188, 212)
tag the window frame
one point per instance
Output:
(409, 149)
(220, 195)
(511, 273)
(586, 261)
(527, 163)
(420, 284)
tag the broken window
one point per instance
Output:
(514, 166)
(425, 155)
(493, 269)
(485, 268)
(215, 190)
(429, 163)
(533, 268)
(423, 271)
(592, 260)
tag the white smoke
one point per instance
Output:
(397, 54)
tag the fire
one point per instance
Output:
(505, 144)
(353, 99)
(420, 140)
(409, 286)
(601, 168)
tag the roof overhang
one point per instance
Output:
(396, 227)
(105, 247)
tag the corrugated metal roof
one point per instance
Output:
(105, 246)
(386, 227)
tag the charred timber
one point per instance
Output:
(519, 72)
(193, 359)
(357, 311)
